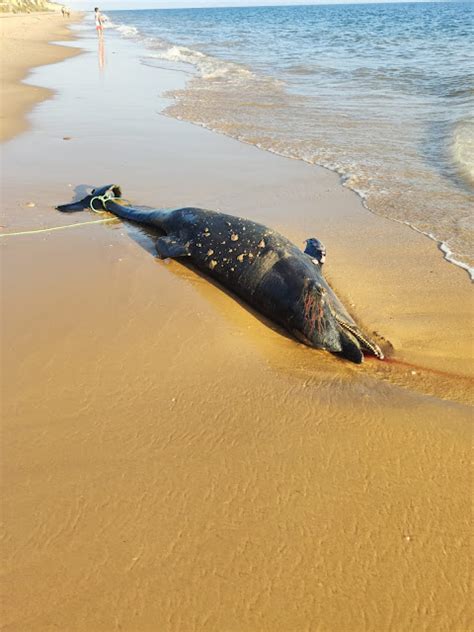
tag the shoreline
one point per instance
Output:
(174, 461)
(27, 42)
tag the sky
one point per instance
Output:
(169, 4)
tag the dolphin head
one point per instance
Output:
(324, 326)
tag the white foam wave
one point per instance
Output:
(462, 149)
(209, 67)
(127, 31)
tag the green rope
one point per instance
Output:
(49, 230)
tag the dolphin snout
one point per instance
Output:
(350, 347)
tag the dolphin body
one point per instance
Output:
(256, 263)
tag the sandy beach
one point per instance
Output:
(170, 460)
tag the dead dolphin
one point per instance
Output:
(256, 263)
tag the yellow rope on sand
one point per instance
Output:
(48, 230)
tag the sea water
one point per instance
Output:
(381, 93)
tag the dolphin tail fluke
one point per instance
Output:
(94, 201)
(109, 198)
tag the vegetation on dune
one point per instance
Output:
(27, 6)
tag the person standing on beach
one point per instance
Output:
(99, 22)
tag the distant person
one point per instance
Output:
(99, 22)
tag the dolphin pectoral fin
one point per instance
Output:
(171, 247)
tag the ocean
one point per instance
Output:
(382, 94)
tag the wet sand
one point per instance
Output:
(173, 462)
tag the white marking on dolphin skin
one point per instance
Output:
(241, 258)
(234, 237)
(262, 244)
(210, 252)
(212, 264)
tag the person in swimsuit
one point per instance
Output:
(99, 22)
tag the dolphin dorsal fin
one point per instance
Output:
(316, 250)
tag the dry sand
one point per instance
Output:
(172, 462)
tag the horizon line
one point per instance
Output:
(284, 3)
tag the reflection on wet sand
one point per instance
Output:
(101, 52)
